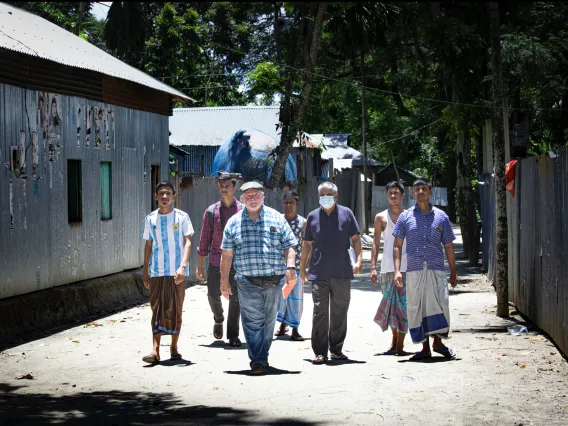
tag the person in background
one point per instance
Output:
(392, 308)
(214, 220)
(291, 307)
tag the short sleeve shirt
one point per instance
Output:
(331, 236)
(425, 235)
(166, 232)
(258, 246)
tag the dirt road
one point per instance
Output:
(92, 373)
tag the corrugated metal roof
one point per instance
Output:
(336, 147)
(26, 33)
(214, 125)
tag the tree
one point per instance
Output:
(309, 21)
(501, 276)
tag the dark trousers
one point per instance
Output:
(331, 302)
(214, 296)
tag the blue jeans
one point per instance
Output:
(258, 315)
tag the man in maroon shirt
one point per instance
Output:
(214, 220)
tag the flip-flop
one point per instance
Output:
(235, 343)
(320, 359)
(339, 356)
(420, 357)
(391, 351)
(218, 331)
(151, 359)
(175, 356)
(281, 332)
(297, 338)
(446, 352)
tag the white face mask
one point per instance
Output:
(327, 201)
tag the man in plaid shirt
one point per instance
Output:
(259, 243)
(214, 220)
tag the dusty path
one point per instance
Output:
(93, 374)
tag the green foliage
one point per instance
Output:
(425, 65)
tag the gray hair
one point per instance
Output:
(328, 185)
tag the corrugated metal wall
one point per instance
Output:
(538, 270)
(39, 248)
(200, 159)
(202, 192)
(538, 241)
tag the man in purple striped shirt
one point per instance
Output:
(214, 221)
(428, 232)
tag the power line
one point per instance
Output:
(210, 87)
(413, 132)
(402, 94)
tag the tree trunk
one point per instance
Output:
(394, 166)
(470, 199)
(80, 11)
(292, 120)
(367, 213)
(501, 264)
(461, 204)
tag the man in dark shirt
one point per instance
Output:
(329, 231)
(214, 221)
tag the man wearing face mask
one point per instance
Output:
(262, 245)
(329, 232)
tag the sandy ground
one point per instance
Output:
(92, 373)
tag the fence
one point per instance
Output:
(196, 194)
(538, 242)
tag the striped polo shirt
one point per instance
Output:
(166, 232)
(425, 235)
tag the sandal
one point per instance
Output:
(151, 359)
(281, 332)
(420, 356)
(218, 331)
(320, 359)
(175, 356)
(446, 352)
(297, 338)
(235, 343)
(339, 356)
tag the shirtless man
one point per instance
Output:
(392, 309)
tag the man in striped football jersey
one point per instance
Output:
(167, 232)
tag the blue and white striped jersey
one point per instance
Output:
(166, 231)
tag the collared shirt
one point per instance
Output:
(425, 234)
(211, 237)
(296, 225)
(258, 246)
(166, 232)
(331, 236)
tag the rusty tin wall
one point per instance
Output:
(538, 270)
(39, 248)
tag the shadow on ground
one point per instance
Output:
(120, 408)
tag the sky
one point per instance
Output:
(100, 11)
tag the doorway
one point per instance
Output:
(154, 182)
